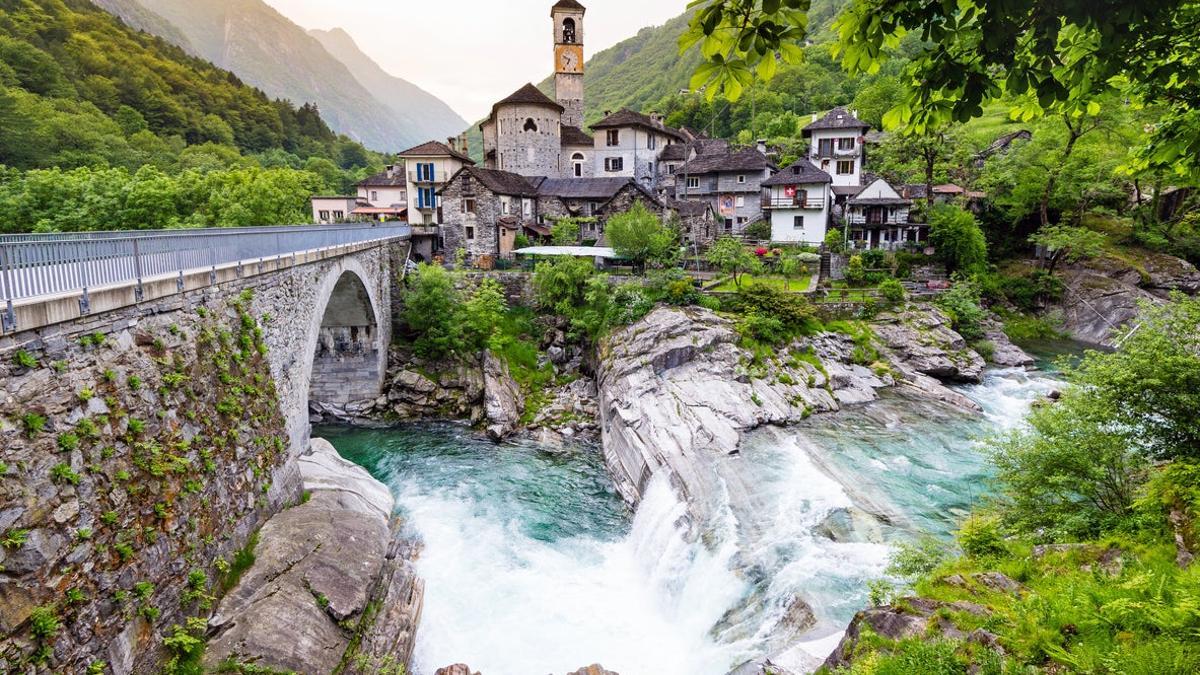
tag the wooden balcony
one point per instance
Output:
(812, 204)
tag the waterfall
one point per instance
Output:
(532, 566)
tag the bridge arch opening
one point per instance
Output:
(348, 361)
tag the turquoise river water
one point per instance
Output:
(533, 564)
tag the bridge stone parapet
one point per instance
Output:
(145, 440)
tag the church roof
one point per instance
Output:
(435, 149)
(628, 118)
(838, 118)
(575, 136)
(568, 4)
(528, 95)
(800, 172)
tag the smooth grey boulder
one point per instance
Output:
(924, 341)
(502, 401)
(318, 564)
(1004, 353)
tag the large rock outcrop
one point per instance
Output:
(924, 341)
(326, 572)
(909, 618)
(675, 393)
(1102, 296)
(502, 400)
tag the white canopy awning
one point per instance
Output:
(572, 251)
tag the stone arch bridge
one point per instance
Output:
(328, 291)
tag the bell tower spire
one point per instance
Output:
(568, 59)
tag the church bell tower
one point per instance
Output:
(568, 59)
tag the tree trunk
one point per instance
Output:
(1183, 555)
(1056, 171)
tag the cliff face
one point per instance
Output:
(1102, 296)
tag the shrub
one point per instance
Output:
(856, 273)
(835, 240)
(956, 236)
(482, 312)
(642, 237)
(759, 230)
(792, 310)
(767, 329)
(961, 303)
(68, 442)
(981, 536)
(892, 291)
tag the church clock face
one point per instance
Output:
(570, 59)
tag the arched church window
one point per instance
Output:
(569, 31)
(530, 125)
(577, 161)
(577, 156)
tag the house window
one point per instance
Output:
(652, 141)
(671, 169)
(846, 143)
(798, 222)
(613, 137)
(693, 183)
(470, 233)
(577, 159)
(374, 195)
(845, 168)
(741, 201)
(741, 220)
(504, 206)
(741, 179)
(339, 216)
(323, 217)
(612, 164)
(530, 125)
(468, 205)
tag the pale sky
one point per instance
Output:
(471, 53)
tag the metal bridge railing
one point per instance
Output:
(47, 264)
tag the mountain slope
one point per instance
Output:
(139, 18)
(420, 112)
(267, 50)
(80, 88)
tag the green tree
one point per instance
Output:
(642, 237)
(790, 267)
(1064, 243)
(1060, 57)
(959, 241)
(731, 257)
(566, 231)
(431, 312)
(482, 313)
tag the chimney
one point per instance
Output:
(465, 147)
(607, 113)
(854, 113)
(656, 117)
(762, 145)
(453, 143)
(391, 170)
(814, 117)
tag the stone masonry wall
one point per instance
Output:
(140, 449)
(136, 462)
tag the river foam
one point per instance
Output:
(532, 566)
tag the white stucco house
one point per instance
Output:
(330, 210)
(878, 217)
(797, 201)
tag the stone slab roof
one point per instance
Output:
(382, 179)
(568, 4)
(879, 201)
(528, 95)
(801, 172)
(583, 188)
(628, 118)
(501, 182)
(748, 159)
(576, 136)
(838, 118)
(435, 149)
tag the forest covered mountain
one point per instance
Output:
(269, 51)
